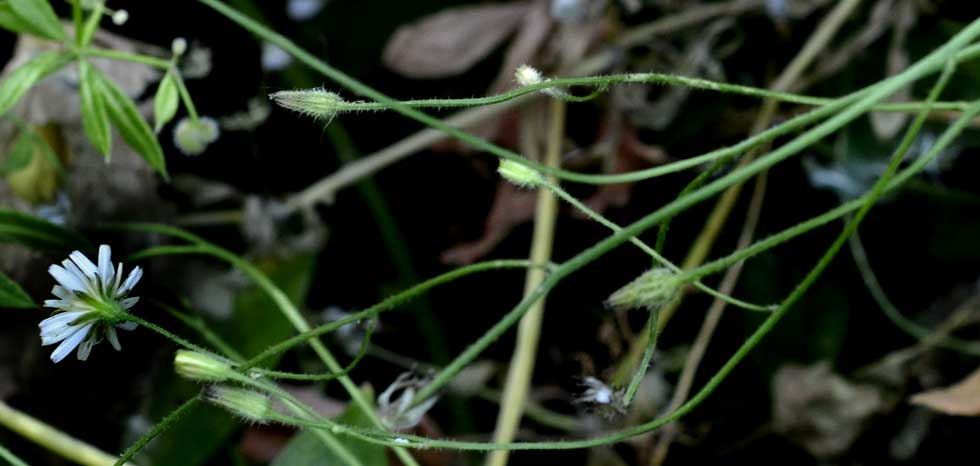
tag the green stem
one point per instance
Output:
(650, 251)
(11, 458)
(51, 438)
(875, 93)
(641, 370)
(185, 96)
(157, 429)
(907, 325)
(127, 56)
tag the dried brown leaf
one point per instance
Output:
(451, 41)
(959, 399)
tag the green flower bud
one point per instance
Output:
(250, 405)
(519, 174)
(651, 290)
(317, 103)
(201, 367)
(193, 137)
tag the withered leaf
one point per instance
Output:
(959, 399)
(451, 41)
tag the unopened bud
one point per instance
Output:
(120, 17)
(651, 290)
(201, 367)
(519, 174)
(317, 103)
(179, 46)
(192, 137)
(250, 405)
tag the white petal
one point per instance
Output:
(58, 303)
(105, 269)
(110, 334)
(129, 302)
(131, 280)
(59, 319)
(62, 292)
(70, 343)
(87, 267)
(85, 348)
(66, 279)
(129, 326)
(86, 283)
(117, 280)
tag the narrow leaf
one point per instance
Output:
(35, 233)
(11, 22)
(165, 102)
(131, 125)
(40, 15)
(22, 79)
(12, 295)
(91, 24)
(20, 154)
(95, 118)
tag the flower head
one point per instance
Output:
(92, 302)
(192, 137)
(655, 288)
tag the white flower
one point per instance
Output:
(527, 76)
(91, 302)
(192, 137)
(398, 413)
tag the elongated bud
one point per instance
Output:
(250, 405)
(651, 290)
(519, 174)
(201, 367)
(317, 103)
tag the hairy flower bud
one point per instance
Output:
(201, 367)
(317, 103)
(519, 174)
(250, 405)
(651, 290)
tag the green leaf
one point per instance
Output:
(36, 233)
(131, 125)
(20, 155)
(91, 24)
(306, 449)
(95, 118)
(40, 15)
(165, 102)
(12, 295)
(25, 77)
(11, 22)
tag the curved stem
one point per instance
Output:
(157, 429)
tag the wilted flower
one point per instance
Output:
(601, 396)
(91, 303)
(192, 137)
(399, 413)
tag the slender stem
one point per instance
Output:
(127, 56)
(11, 458)
(877, 92)
(891, 311)
(165, 333)
(158, 429)
(521, 369)
(641, 370)
(198, 325)
(650, 251)
(185, 96)
(55, 440)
